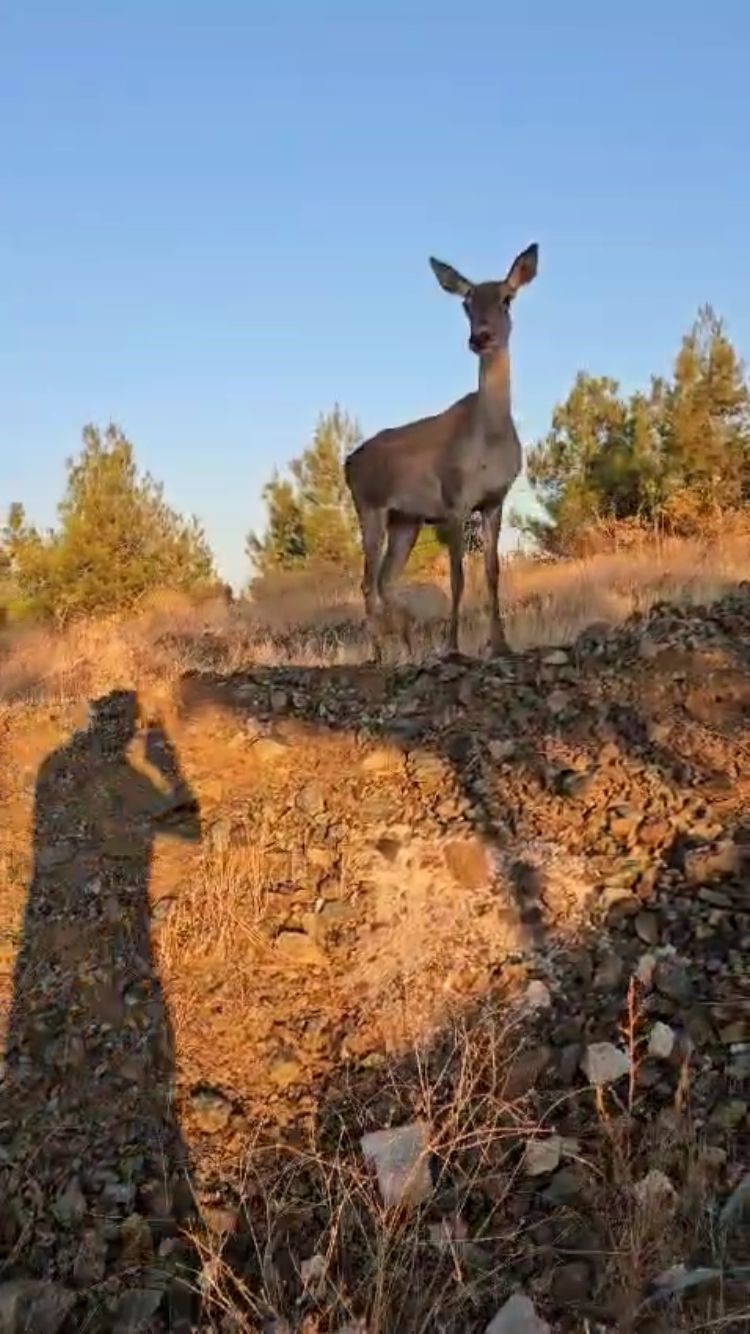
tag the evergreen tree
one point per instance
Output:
(116, 538)
(670, 456)
(310, 518)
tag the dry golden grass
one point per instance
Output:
(394, 1266)
(544, 604)
(316, 1226)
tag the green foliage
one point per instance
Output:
(310, 517)
(668, 457)
(116, 540)
(310, 520)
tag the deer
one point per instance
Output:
(441, 469)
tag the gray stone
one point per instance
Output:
(647, 928)
(33, 1306)
(537, 996)
(401, 1159)
(603, 1063)
(571, 1283)
(53, 855)
(542, 1155)
(661, 1041)
(672, 979)
(70, 1205)
(517, 1316)
(90, 1261)
(135, 1309)
(211, 1110)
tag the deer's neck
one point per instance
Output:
(493, 400)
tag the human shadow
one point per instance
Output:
(93, 1163)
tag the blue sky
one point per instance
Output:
(215, 217)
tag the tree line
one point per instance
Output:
(674, 456)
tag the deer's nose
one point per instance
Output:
(479, 340)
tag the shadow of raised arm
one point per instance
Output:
(180, 812)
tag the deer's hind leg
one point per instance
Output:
(402, 534)
(373, 524)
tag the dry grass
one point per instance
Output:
(545, 604)
(405, 1270)
(324, 1249)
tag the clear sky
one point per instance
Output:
(215, 217)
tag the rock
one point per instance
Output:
(603, 1063)
(136, 1242)
(469, 862)
(502, 749)
(644, 972)
(268, 750)
(647, 928)
(53, 855)
(382, 760)
(661, 1041)
(672, 979)
(89, 1264)
(711, 863)
(654, 1189)
(313, 1270)
(537, 996)
(525, 1070)
(135, 1309)
(571, 1283)
(557, 702)
(298, 948)
(542, 1155)
(70, 1205)
(653, 833)
(729, 1113)
(279, 701)
(285, 1073)
(517, 1316)
(565, 1186)
(557, 657)
(311, 799)
(211, 1110)
(33, 1306)
(118, 1195)
(401, 1159)
(736, 1209)
(609, 973)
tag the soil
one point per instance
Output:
(315, 903)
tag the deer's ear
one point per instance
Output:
(523, 269)
(450, 279)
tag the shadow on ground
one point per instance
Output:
(87, 1123)
(630, 755)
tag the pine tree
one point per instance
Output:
(310, 519)
(672, 456)
(116, 538)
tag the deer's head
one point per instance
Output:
(487, 305)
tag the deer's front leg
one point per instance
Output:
(456, 550)
(491, 525)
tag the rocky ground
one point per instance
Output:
(504, 904)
